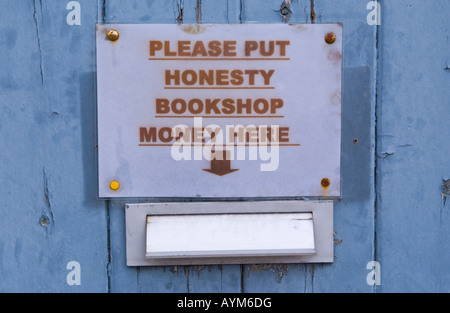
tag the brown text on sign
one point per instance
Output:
(235, 135)
(227, 106)
(217, 48)
(218, 77)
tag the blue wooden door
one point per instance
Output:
(395, 152)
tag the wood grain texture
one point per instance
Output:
(413, 219)
(394, 209)
(47, 168)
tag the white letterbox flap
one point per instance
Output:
(229, 235)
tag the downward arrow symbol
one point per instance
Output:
(221, 167)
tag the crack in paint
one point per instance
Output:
(279, 269)
(306, 277)
(103, 11)
(241, 10)
(108, 245)
(138, 278)
(312, 13)
(241, 269)
(186, 273)
(38, 38)
(198, 11)
(285, 10)
(220, 267)
(179, 11)
(47, 219)
(445, 193)
(377, 130)
(386, 155)
(445, 190)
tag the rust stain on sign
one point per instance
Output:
(336, 98)
(298, 27)
(325, 183)
(335, 56)
(193, 28)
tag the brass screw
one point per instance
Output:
(325, 182)
(112, 35)
(330, 38)
(114, 185)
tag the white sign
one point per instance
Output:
(219, 110)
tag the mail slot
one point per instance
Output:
(225, 235)
(229, 232)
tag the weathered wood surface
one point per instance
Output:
(395, 153)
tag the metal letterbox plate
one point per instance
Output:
(229, 232)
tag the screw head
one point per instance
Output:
(325, 182)
(44, 221)
(112, 35)
(114, 185)
(330, 38)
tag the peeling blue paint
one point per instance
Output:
(395, 154)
